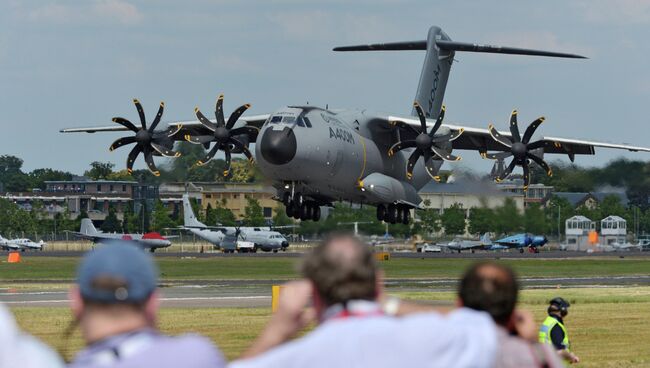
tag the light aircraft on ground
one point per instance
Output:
(263, 238)
(459, 244)
(315, 157)
(21, 244)
(151, 240)
(520, 241)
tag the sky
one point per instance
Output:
(80, 62)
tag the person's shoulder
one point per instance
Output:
(201, 349)
(31, 352)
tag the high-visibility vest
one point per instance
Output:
(545, 332)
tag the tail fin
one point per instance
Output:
(188, 213)
(87, 227)
(485, 239)
(440, 50)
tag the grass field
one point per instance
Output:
(608, 327)
(282, 268)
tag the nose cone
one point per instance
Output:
(278, 146)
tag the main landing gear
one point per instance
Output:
(300, 208)
(394, 213)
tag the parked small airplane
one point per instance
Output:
(520, 241)
(459, 244)
(151, 240)
(264, 238)
(20, 244)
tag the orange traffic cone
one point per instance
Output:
(14, 257)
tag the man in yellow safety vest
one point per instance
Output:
(553, 331)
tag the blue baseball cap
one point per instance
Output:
(120, 272)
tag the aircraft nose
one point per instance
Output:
(278, 146)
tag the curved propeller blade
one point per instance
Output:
(448, 137)
(203, 120)
(249, 130)
(400, 146)
(236, 114)
(541, 163)
(438, 123)
(131, 158)
(514, 127)
(156, 120)
(125, 123)
(447, 156)
(413, 159)
(496, 156)
(165, 151)
(526, 176)
(138, 106)
(498, 137)
(199, 139)
(431, 170)
(536, 145)
(218, 111)
(121, 142)
(528, 134)
(239, 145)
(208, 156)
(226, 170)
(148, 158)
(421, 116)
(507, 171)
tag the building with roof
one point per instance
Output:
(613, 230)
(537, 193)
(577, 230)
(589, 200)
(469, 194)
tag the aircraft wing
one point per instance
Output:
(479, 139)
(177, 129)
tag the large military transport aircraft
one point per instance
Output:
(317, 156)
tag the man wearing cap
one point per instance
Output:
(553, 331)
(343, 285)
(115, 303)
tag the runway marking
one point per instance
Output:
(33, 293)
(252, 297)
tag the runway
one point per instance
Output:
(257, 293)
(553, 254)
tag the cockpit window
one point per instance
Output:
(307, 122)
(276, 119)
(289, 119)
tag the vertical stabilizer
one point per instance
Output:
(434, 75)
(189, 219)
(87, 227)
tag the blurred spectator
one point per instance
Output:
(493, 288)
(343, 284)
(17, 349)
(116, 306)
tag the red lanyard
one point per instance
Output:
(344, 314)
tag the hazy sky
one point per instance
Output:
(79, 62)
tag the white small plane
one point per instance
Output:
(264, 238)
(459, 244)
(21, 244)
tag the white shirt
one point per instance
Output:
(463, 338)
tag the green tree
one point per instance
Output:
(535, 219)
(12, 178)
(253, 213)
(100, 170)
(481, 220)
(429, 220)
(160, 219)
(111, 223)
(453, 220)
(280, 217)
(507, 218)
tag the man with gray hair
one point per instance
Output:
(115, 303)
(343, 285)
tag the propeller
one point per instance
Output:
(519, 148)
(147, 141)
(223, 134)
(427, 145)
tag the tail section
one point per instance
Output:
(87, 227)
(440, 51)
(485, 239)
(189, 219)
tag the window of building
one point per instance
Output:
(124, 187)
(99, 187)
(208, 196)
(268, 212)
(235, 196)
(110, 188)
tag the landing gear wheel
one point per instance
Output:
(289, 209)
(305, 212)
(521, 250)
(391, 215)
(406, 216)
(315, 213)
(381, 212)
(297, 210)
(286, 198)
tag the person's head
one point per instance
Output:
(559, 307)
(115, 291)
(341, 268)
(490, 287)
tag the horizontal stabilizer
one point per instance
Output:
(472, 47)
(449, 45)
